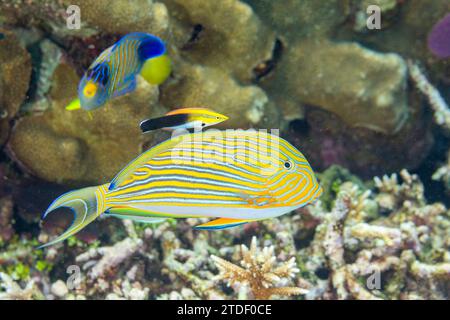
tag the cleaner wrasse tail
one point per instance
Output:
(87, 204)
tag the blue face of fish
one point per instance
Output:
(92, 90)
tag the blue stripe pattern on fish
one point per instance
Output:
(235, 177)
(114, 71)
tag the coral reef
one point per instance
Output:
(15, 72)
(437, 38)
(436, 101)
(384, 242)
(87, 148)
(328, 78)
(259, 272)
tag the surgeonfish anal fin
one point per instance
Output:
(221, 223)
(125, 212)
(138, 219)
(143, 158)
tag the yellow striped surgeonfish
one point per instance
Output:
(184, 118)
(114, 71)
(233, 176)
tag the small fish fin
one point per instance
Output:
(156, 70)
(91, 117)
(221, 223)
(104, 56)
(126, 172)
(74, 105)
(188, 111)
(125, 87)
(151, 47)
(87, 204)
(163, 122)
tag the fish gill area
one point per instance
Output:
(368, 109)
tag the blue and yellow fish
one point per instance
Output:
(184, 118)
(114, 71)
(235, 177)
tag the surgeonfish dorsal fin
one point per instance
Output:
(143, 158)
(221, 223)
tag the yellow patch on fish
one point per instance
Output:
(74, 105)
(90, 89)
(156, 70)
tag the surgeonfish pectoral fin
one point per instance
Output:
(91, 117)
(74, 105)
(156, 70)
(85, 205)
(221, 223)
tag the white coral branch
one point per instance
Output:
(437, 103)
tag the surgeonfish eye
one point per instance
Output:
(287, 165)
(90, 89)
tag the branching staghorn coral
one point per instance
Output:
(437, 102)
(360, 251)
(188, 265)
(111, 257)
(443, 173)
(393, 195)
(259, 272)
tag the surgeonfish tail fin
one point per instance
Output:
(87, 204)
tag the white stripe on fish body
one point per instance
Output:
(214, 212)
(196, 124)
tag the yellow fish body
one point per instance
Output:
(235, 177)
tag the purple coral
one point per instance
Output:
(439, 38)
